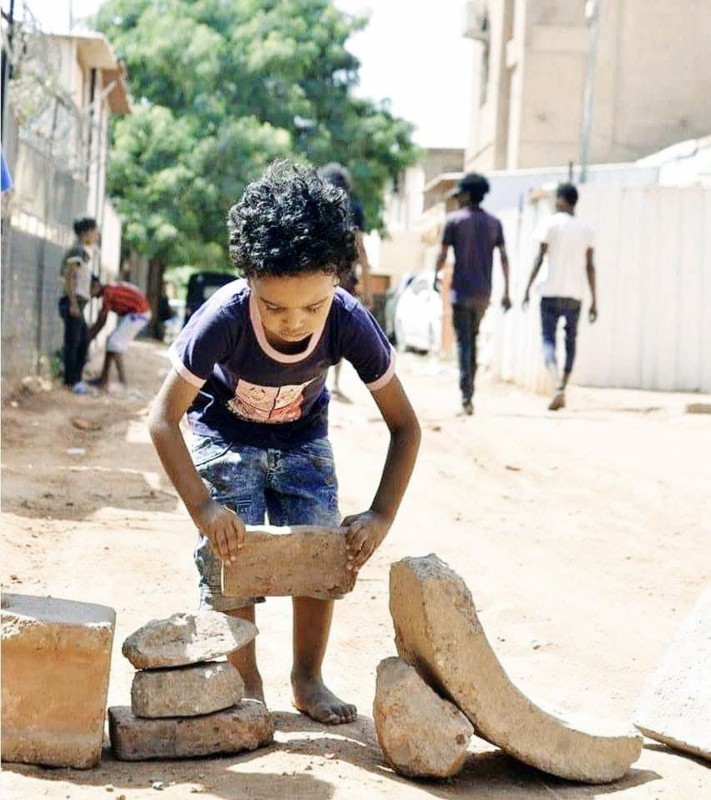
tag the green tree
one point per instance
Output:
(221, 88)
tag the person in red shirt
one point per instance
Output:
(134, 312)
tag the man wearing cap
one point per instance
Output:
(474, 234)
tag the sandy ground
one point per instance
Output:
(583, 537)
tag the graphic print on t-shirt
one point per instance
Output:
(267, 403)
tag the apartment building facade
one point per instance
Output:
(651, 79)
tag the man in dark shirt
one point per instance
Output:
(474, 234)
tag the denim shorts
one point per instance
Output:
(297, 486)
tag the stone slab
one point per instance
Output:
(438, 632)
(299, 561)
(187, 639)
(56, 656)
(244, 727)
(675, 705)
(421, 735)
(186, 691)
(698, 408)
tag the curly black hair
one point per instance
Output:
(291, 222)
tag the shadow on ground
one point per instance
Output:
(489, 774)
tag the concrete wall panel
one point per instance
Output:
(653, 258)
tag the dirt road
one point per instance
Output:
(583, 536)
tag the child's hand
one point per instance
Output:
(365, 532)
(223, 528)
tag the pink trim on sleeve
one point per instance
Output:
(183, 371)
(386, 377)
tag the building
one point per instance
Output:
(651, 80)
(62, 93)
(401, 250)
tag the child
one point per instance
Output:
(134, 311)
(250, 369)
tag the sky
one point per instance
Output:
(412, 53)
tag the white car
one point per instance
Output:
(418, 315)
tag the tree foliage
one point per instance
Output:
(221, 88)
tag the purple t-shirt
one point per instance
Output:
(473, 233)
(251, 393)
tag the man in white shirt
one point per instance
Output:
(566, 243)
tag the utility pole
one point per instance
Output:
(592, 17)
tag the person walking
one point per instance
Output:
(474, 234)
(566, 244)
(134, 311)
(76, 279)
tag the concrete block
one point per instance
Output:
(675, 706)
(420, 734)
(187, 639)
(244, 727)
(186, 691)
(438, 632)
(301, 561)
(55, 677)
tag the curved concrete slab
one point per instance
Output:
(438, 632)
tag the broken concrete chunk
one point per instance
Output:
(55, 676)
(301, 561)
(675, 706)
(420, 734)
(244, 727)
(187, 639)
(186, 691)
(438, 632)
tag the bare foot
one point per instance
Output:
(311, 697)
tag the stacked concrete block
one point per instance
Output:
(437, 631)
(186, 698)
(298, 561)
(56, 656)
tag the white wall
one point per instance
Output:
(110, 243)
(653, 258)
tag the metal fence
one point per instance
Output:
(653, 263)
(36, 229)
(44, 136)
